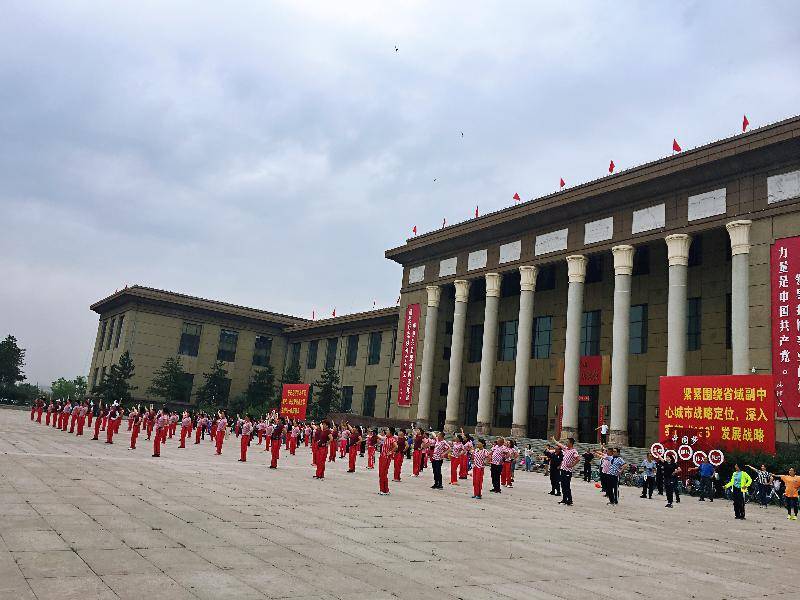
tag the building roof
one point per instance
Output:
(371, 317)
(687, 167)
(138, 292)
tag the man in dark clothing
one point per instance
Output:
(553, 456)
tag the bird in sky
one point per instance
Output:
(395, 48)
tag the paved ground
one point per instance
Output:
(81, 519)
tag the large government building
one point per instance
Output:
(549, 317)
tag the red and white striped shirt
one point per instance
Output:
(386, 448)
(498, 454)
(247, 428)
(570, 458)
(440, 449)
(479, 458)
(458, 449)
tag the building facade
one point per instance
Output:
(550, 317)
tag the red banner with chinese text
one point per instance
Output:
(785, 311)
(294, 401)
(732, 412)
(590, 370)
(408, 358)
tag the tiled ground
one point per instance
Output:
(81, 519)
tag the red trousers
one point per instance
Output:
(292, 445)
(370, 457)
(89, 416)
(305, 440)
(134, 435)
(245, 443)
(398, 465)
(47, 418)
(65, 422)
(416, 461)
(477, 481)
(105, 422)
(110, 434)
(288, 437)
(117, 424)
(260, 436)
(383, 472)
(352, 457)
(220, 438)
(80, 425)
(332, 451)
(184, 433)
(157, 444)
(342, 448)
(38, 415)
(96, 428)
(164, 435)
(462, 469)
(276, 453)
(130, 423)
(505, 474)
(320, 455)
(197, 433)
(33, 410)
(454, 464)
(149, 429)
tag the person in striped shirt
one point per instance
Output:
(763, 483)
(246, 431)
(222, 423)
(456, 452)
(440, 449)
(388, 449)
(569, 458)
(479, 457)
(498, 455)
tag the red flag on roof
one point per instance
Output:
(476, 212)
(414, 230)
(745, 123)
(313, 314)
(516, 197)
(444, 222)
(676, 147)
(611, 166)
(398, 299)
(334, 312)
(374, 302)
(561, 183)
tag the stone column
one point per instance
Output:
(576, 269)
(739, 232)
(428, 356)
(519, 428)
(623, 269)
(456, 355)
(678, 257)
(488, 354)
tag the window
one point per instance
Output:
(374, 348)
(637, 343)
(446, 353)
(388, 400)
(471, 406)
(641, 261)
(542, 336)
(294, 354)
(262, 351)
(448, 328)
(443, 389)
(728, 329)
(347, 398)
(330, 353)
(507, 342)
(227, 345)
(226, 390)
(119, 330)
(394, 344)
(101, 338)
(637, 395)
(503, 406)
(370, 392)
(594, 268)
(352, 351)
(110, 334)
(539, 402)
(590, 333)
(510, 284)
(188, 382)
(96, 380)
(190, 339)
(546, 279)
(475, 343)
(696, 251)
(311, 359)
(693, 324)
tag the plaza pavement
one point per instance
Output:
(82, 519)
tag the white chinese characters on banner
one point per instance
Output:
(785, 288)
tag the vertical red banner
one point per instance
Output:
(294, 401)
(409, 356)
(785, 312)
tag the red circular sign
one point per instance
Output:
(685, 452)
(699, 457)
(657, 450)
(672, 453)
(716, 457)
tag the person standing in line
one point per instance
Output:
(160, 422)
(73, 420)
(82, 412)
(479, 457)
(388, 449)
(247, 430)
(112, 418)
(615, 465)
(354, 442)
(604, 454)
(277, 432)
(569, 458)
(739, 484)
(320, 445)
(39, 409)
(456, 451)
(98, 420)
(66, 411)
(791, 483)
(334, 441)
(670, 469)
(402, 444)
(293, 437)
(416, 456)
(763, 483)
(648, 476)
(660, 476)
(553, 456)
(136, 424)
(505, 472)
(50, 412)
(270, 427)
(199, 426)
(587, 465)
(463, 470)
(372, 444)
(343, 438)
(440, 450)
(706, 472)
(497, 456)
(222, 423)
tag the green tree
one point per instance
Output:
(63, 388)
(170, 382)
(81, 385)
(115, 385)
(328, 396)
(12, 359)
(291, 374)
(260, 393)
(213, 394)
(25, 393)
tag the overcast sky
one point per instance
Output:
(267, 153)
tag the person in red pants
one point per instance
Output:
(66, 413)
(416, 455)
(82, 412)
(247, 430)
(295, 433)
(34, 404)
(199, 426)
(39, 409)
(275, 441)
(388, 448)
(222, 426)
(159, 427)
(135, 418)
(401, 442)
(372, 445)
(320, 444)
(307, 435)
(469, 446)
(479, 458)
(98, 421)
(186, 428)
(90, 414)
(332, 445)
(456, 452)
(505, 473)
(354, 442)
(112, 419)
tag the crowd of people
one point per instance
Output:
(468, 456)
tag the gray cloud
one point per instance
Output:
(267, 155)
